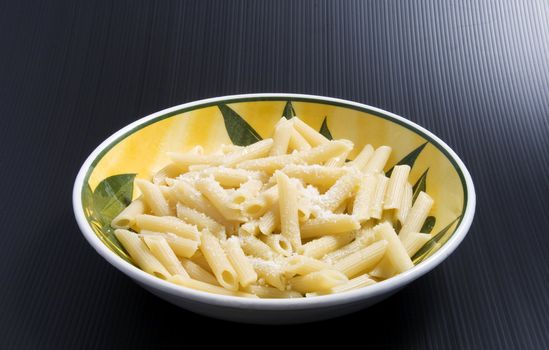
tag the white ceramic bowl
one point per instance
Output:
(275, 311)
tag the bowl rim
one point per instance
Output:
(384, 287)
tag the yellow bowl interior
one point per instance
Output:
(108, 186)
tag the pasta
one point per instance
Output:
(198, 273)
(396, 252)
(377, 161)
(328, 225)
(244, 269)
(396, 187)
(289, 222)
(201, 220)
(167, 224)
(213, 191)
(126, 218)
(253, 151)
(362, 158)
(343, 188)
(215, 256)
(362, 260)
(182, 247)
(161, 250)
(279, 244)
(302, 265)
(281, 137)
(355, 283)
(376, 203)
(363, 199)
(140, 254)
(152, 195)
(313, 137)
(286, 217)
(405, 203)
(319, 247)
(298, 142)
(417, 215)
(318, 280)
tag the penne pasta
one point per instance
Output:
(417, 215)
(139, 252)
(414, 241)
(270, 221)
(255, 247)
(303, 209)
(362, 260)
(346, 250)
(201, 220)
(170, 171)
(302, 265)
(272, 293)
(232, 178)
(250, 228)
(126, 218)
(355, 283)
(161, 250)
(317, 281)
(284, 217)
(270, 164)
(317, 175)
(377, 161)
(166, 224)
(362, 158)
(328, 225)
(298, 142)
(281, 137)
(319, 247)
(213, 191)
(246, 191)
(198, 273)
(255, 207)
(279, 244)
(383, 270)
(364, 197)
(405, 203)
(182, 247)
(271, 272)
(190, 197)
(256, 150)
(338, 161)
(396, 187)
(287, 201)
(344, 188)
(239, 261)
(325, 151)
(200, 259)
(376, 205)
(153, 197)
(216, 258)
(313, 137)
(396, 252)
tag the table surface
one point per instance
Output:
(476, 73)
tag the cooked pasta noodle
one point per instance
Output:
(286, 217)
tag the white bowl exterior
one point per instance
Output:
(272, 311)
(268, 317)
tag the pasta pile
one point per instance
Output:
(285, 217)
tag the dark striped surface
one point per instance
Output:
(476, 73)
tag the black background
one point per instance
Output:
(476, 73)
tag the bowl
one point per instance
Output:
(104, 186)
